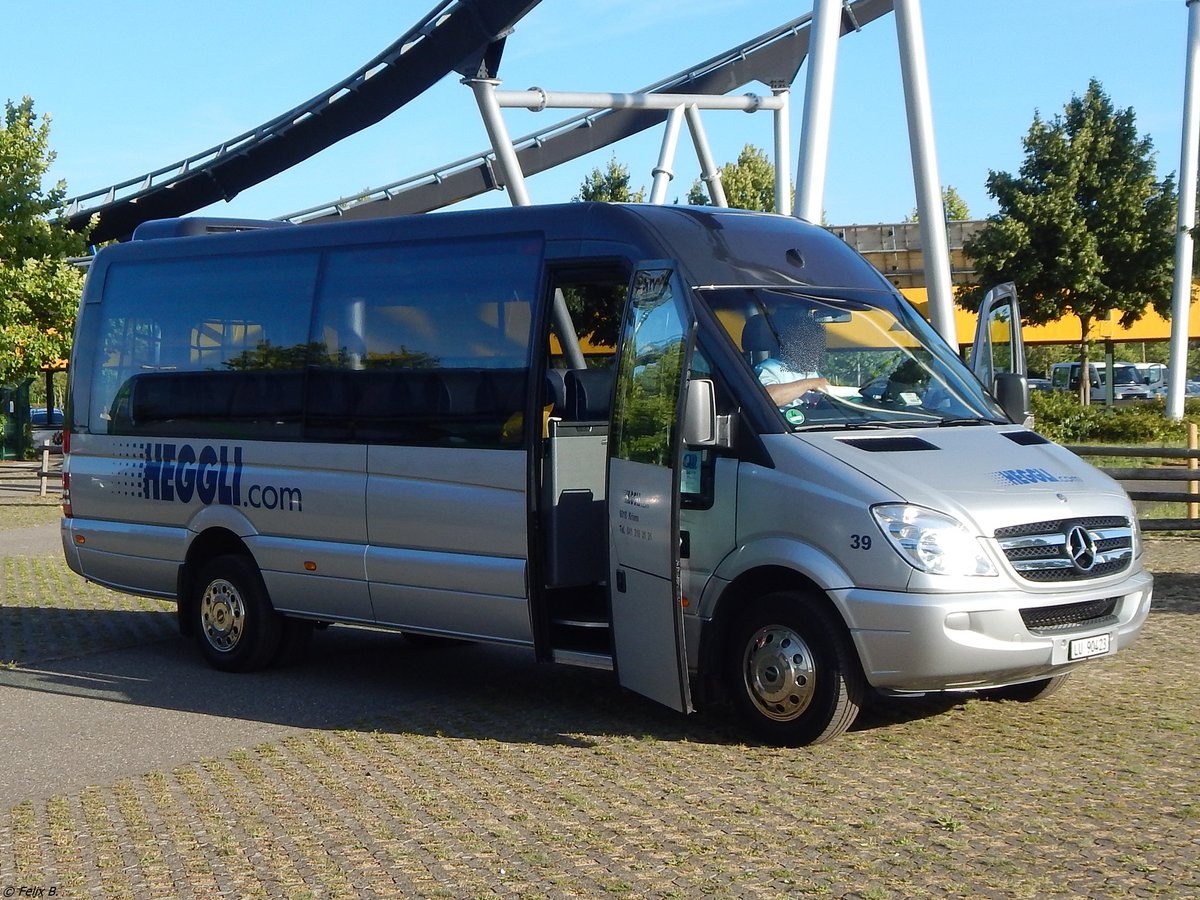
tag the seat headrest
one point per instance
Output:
(589, 394)
(757, 337)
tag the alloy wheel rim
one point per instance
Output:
(222, 615)
(779, 672)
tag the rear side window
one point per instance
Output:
(423, 343)
(195, 346)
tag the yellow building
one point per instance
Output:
(896, 251)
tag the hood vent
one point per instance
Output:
(889, 444)
(1025, 438)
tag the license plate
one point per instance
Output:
(1082, 648)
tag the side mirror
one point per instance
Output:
(702, 427)
(1012, 392)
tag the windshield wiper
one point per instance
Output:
(857, 426)
(967, 420)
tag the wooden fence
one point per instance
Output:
(1178, 473)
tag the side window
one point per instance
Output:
(425, 343)
(216, 341)
(653, 349)
(587, 301)
(211, 346)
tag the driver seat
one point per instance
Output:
(759, 342)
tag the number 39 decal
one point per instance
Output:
(860, 542)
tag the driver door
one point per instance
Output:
(998, 347)
(657, 337)
(998, 354)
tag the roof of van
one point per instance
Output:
(711, 245)
(554, 217)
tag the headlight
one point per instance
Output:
(1135, 533)
(932, 541)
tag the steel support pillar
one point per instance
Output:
(497, 131)
(710, 173)
(663, 172)
(1181, 292)
(818, 110)
(783, 154)
(931, 215)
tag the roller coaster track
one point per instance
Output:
(453, 36)
(773, 59)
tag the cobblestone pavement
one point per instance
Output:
(500, 778)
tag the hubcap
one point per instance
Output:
(222, 615)
(779, 672)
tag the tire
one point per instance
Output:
(792, 672)
(295, 640)
(238, 629)
(1029, 691)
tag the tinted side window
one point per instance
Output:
(208, 346)
(584, 328)
(425, 343)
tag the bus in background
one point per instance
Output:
(777, 484)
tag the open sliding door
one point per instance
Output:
(657, 337)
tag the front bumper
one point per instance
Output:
(935, 642)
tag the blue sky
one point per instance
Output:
(132, 86)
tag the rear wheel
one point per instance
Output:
(238, 629)
(792, 671)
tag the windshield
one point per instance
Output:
(832, 358)
(1124, 375)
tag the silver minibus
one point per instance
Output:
(712, 451)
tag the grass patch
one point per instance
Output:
(49, 612)
(29, 512)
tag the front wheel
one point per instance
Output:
(239, 630)
(792, 671)
(1029, 691)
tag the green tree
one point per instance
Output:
(610, 186)
(39, 288)
(1085, 227)
(595, 305)
(954, 206)
(749, 182)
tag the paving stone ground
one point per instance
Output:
(376, 769)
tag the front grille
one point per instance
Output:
(1068, 549)
(1070, 616)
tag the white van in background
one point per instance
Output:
(1155, 376)
(1129, 383)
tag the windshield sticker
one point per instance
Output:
(1032, 476)
(794, 416)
